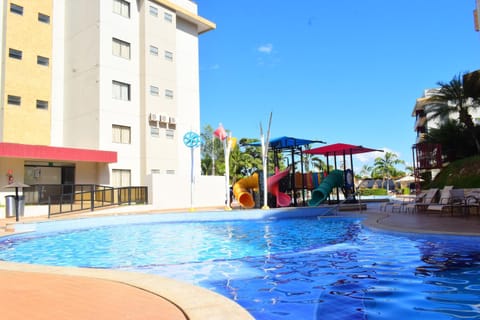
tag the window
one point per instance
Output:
(121, 177)
(153, 50)
(120, 134)
(120, 48)
(15, 54)
(154, 11)
(167, 16)
(154, 131)
(168, 55)
(120, 91)
(43, 61)
(16, 9)
(43, 18)
(154, 91)
(14, 100)
(41, 104)
(170, 133)
(122, 8)
(169, 94)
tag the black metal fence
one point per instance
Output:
(80, 197)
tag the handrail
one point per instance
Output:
(89, 197)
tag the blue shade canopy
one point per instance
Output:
(286, 142)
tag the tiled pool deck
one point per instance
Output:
(43, 292)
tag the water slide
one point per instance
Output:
(333, 180)
(241, 189)
(283, 199)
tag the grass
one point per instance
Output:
(464, 173)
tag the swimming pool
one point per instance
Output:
(294, 268)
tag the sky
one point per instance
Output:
(344, 71)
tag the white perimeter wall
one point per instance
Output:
(169, 192)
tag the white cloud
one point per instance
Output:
(210, 67)
(266, 48)
(368, 157)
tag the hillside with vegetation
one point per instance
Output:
(464, 173)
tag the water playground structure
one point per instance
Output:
(242, 189)
(284, 185)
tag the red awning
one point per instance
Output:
(48, 153)
(337, 149)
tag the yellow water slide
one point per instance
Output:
(241, 190)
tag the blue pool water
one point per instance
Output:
(296, 268)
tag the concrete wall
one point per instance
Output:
(169, 192)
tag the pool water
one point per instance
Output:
(301, 268)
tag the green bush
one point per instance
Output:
(464, 173)
(373, 192)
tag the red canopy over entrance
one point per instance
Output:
(337, 149)
(27, 151)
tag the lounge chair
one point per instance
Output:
(411, 206)
(427, 200)
(449, 199)
(472, 200)
(395, 205)
(398, 206)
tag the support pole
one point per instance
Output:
(265, 143)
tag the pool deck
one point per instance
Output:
(45, 292)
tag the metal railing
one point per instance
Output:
(81, 197)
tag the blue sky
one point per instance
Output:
(338, 71)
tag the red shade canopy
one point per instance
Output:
(27, 151)
(337, 149)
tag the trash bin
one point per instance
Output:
(10, 206)
(21, 205)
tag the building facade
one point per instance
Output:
(427, 156)
(99, 91)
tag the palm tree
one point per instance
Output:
(455, 140)
(450, 99)
(211, 152)
(385, 167)
(366, 171)
(319, 164)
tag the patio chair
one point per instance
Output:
(402, 205)
(398, 206)
(385, 205)
(395, 205)
(449, 199)
(427, 200)
(472, 200)
(411, 206)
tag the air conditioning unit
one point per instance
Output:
(163, 119)
(153, 117)
(172, 120)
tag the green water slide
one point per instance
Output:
(333, 180)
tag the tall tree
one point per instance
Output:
(385, 167)
(211, 152)
(455, 140)
(366, 171)
(451, 99)
(318, 164)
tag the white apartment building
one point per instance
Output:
(102, 92)
(428, 157)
